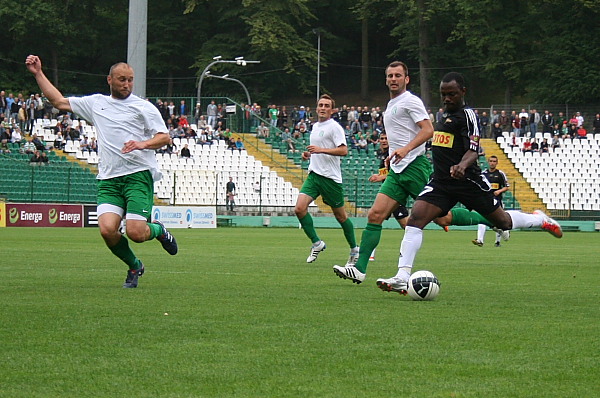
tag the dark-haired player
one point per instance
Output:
(499, 184)
(456, 178)
(327, 145)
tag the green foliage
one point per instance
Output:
(239, 313)
(540, 51)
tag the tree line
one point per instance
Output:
(509, 50)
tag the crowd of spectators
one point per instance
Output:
(206, 125)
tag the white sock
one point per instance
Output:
(525, 220)
(411, 243)
(497, 237)
(481, 232)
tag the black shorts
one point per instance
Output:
(475, 195)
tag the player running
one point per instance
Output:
(456, 178)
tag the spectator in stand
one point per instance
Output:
(301, 114)
(534, 119)
(183, 122)
(197, 114)
(28, 148)
(561, 119)
(515, 124)
(286, 138)
(22, 116)
(572, 133)
(39, 144)
(262, 130)
(211, 113)
(282, 120)
(15, 136)
(581, 133)
(378, 127)
(93, 145)
(535, 147)
(544, 146)
(555, 142)
(3, 103)
(496, 131)
(485, 123)
(504, 121)
(84, 144)
(301, 129)
(273, 114)
(183, 111)
(185, 152)
(169, 148)
(205, 138)
(44, 159)
(373, 138)
(344, 116)
(579, 119)
(5, 134)
(547, 122)
(574, 121)
(4, 146)
(171, 109)
(35, 159)
(59, 141)
(523, 123)
(365, 119)
(30, 116)
(527, 145)
(239, 145)
(596, 124)
(363, 145)
(495, 118)
(202, 124)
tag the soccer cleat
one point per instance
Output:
(393, 284)
(550, 225)
(315, 250)
(353, 257)
(349, 272)
(477, 242)
(497, 244)
(132, 277)
(505, 235)
(167, 240)
(446, 228)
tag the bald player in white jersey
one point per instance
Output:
(130, 129)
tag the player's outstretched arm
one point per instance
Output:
(34, 65)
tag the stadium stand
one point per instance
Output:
(567, 177)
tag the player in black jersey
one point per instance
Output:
(499, 184)
(456, 178)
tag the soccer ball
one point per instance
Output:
(423, 285)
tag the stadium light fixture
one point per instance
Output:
(219, 60)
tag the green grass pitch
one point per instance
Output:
(238, 313)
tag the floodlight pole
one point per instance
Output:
(233, 80)
(218, 60)
(318, 33)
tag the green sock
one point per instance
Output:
(462, 216)
(368, 242)
(308, 228)
(348, 228)
(123, 251)
(155, 230)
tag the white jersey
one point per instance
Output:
(400, 120)
(118, 121)
(328, 134)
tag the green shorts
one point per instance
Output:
(133, 192)
(332, 192)
(409, 182)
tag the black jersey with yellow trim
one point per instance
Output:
(497, 180)
(456, 133)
